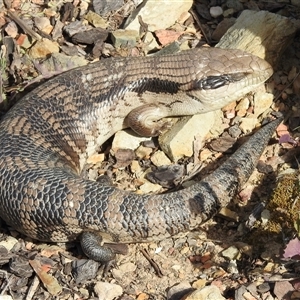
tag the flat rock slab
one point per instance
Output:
(158, 14)
(178, 141)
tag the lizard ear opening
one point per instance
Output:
(215, 82)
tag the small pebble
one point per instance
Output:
(234, 131)
(179, 290)
(9, 242)
(84, 269)
(263, 288)
(232, 267)
(208, 292)
(216, 11)
(231, 253)
(108, 291)
(264, 168)
(222, 144)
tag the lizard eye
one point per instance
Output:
(215, 82)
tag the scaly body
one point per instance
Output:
(47, 137)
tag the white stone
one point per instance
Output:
(231, 252)
(136, 168)
(127, 267)
(216, 11)
(159, 158)
(265, 216)
(43, 24)
(8, 243)
(229, 214)
(107, 291)
(242, 106)
(158, 14)
(149, 187)
(6, 297)
(210, 292)
(127, 139)
(247, 124)
(232, 267)
(143, 152)
(262, 102)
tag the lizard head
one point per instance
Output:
(224, 76)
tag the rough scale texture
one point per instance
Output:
(47, 137)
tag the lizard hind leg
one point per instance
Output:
(93, 247)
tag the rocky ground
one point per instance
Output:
(250, 250)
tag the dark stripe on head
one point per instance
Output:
(215, 82)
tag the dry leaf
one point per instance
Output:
(50, 282)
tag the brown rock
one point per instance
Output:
(43, 48)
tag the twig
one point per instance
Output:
(33, 288)
(6, 283)
(200, 26)
(25, 28)
(152, 263)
